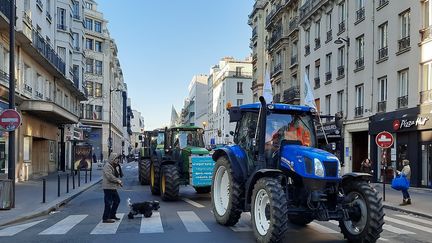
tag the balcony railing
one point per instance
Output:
(317, 43)
(272, 13)
(276, 98)
(291, 94)
(276, 36)
(48, 99)
(254, 33)
(61, 27)
(76, 16)
(48, 15)
(360, 14)
(426, 33)
(317, 82)
(28, 88)
(402, 101)
(329, 36)
(39, 95)
(358, 111)
(382, 106)
(294, 60)
(307, 49)
(5, 8)
(383, 53)
(4, 76)
(341, 27)
(341, 70)
(276, 69)
(404, 43)
(308, 7)
(359, 63)
(293, 24)
(328, 76)
(426, 96)
(382, 3)
(39, 4)
(254, 83)
(48, 52)
(26, 18)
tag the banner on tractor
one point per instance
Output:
(201, 170)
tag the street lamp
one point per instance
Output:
(110, 123)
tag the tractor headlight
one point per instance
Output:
(319, 168)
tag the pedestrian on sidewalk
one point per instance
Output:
(366, 166)
(94, 158)
(406, 171)
(110, 184)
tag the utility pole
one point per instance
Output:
(11, 150)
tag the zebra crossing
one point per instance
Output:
(398, 224)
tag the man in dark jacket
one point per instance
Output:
(110, 184)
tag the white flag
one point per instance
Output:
(267, 89)
(309, 97)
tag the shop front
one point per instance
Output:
(412, 132)
(334, 143)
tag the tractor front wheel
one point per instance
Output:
(144, 172)
(366, 223)
(169, 183)
(226, 194)
(154, 179)
(269, 210)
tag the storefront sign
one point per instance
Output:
(83, 157)
(407, 123)
(10, 120)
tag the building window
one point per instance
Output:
(328, 62)
(239, 88)
(89, 112)
(89, 87)
(317, 34)
(403, 88)
(360, 52)
(75, 10)
(89, 65)
(328, 104)
(382, 89)
(359, 100)
(89, 44)
(98, 26)
(61, 18)
(307, 69)
(329, 21)
(341, 10)
(75, 70)
(98, 67)
(62, 53)
(340, 101)
(382, 30)
(89, 5)
(98, 46)
(97, 113)
(239, 102)
(427, 76)
(318, 105)
(98, 90)
(75, 40)
(405, 24)
(88, 24)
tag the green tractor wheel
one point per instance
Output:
(154, 179)
(203, 189)
(169, 183)
(144, 172)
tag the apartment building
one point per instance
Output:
(137, 127)
(229, 82)
(194, 112)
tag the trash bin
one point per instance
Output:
(6, 194)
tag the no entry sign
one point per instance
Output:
(384, 139)
(10, 120)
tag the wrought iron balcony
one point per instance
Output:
(5, 8)
(329, 36)
(4, 77)
(254, 33)
(341, 70)
(39, 4)
(358, 111)
(317, 82)
(426, 33)
(39, 95)
(26, 18)
(48, 52)
(28, 88)
(293, 24)
(76, 16)
(317, 43)
(360, 14)
(48, 99)
(61, 27)
(273, 13)
(382, 3)
(383, 53)
(48, 15)
(328, 76)
(276, 69)
(291, 94)
(276, 36)
(359, 63)
(402, 101)
(382, 106)
(426, 96)
(307, 49)
(341, 27)
(308, 7)
(404, 43)
(294, 60)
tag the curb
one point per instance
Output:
(407, 211)
(43, 210)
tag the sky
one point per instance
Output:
(163, 44)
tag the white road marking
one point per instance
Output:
(152, 224)
(383, 239)
(107, 228)
(404, 223)
(322, 229)
(423, 221)
(193, 203)
(244, 225)
(64, 226)
(192, 222)
(13, 230)
(397, 230)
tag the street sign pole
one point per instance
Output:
(384, 171)
(11, 150)
(384, 140)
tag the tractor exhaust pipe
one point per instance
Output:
(260, 132)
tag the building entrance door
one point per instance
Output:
(359, 149)
(426, 153)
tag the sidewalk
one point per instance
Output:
(421, 200)
(29, 195)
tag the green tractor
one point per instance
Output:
(183, 161)
(151, 141)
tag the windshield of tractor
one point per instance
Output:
(183, 139)
(159, 140)
(292, 127)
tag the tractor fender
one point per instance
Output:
(256, 175)
(237, 158)
(349, 177)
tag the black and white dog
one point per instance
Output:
(145, 208)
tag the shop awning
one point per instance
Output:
(49, 111)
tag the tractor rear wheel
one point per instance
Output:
(269, 210)
(366, 225)
(144, 172)
(226, 194)
(203, 189)
(169, 183)
(154, 178)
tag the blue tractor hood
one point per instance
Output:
(301, 160)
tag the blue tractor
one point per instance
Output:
(275, 172)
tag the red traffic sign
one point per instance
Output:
(10, 120)
(384, 139)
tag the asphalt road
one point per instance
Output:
(188, 220)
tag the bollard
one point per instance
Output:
(79, 178)
(85, 176)
(67, 183)
(43, 191)
(73, 180)
(58, 185)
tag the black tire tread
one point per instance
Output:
(155, 189)
(172, 183)
(144, 172)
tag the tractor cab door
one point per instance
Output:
(245, 136)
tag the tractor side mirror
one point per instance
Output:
(231, 133)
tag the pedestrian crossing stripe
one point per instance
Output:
(411, 225)
(13, 230)
(397, 230)
(192, 222)
(152, 224)
(419, 220)
(64, 225)
(104, 228)
(322, 229)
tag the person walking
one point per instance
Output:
(110, 184)
(366, 166)
(406, 171)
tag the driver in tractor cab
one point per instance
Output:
(297, 132)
